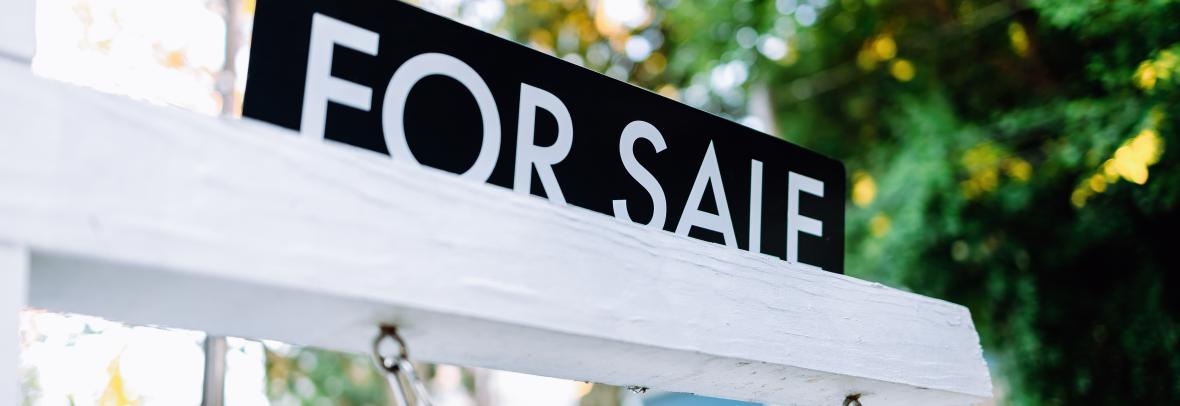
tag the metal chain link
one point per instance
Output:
(407, 389)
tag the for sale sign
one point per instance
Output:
(388, 77)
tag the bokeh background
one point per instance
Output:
(1007, 155)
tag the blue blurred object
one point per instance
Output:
(684, 399)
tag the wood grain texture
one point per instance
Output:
(139, 213)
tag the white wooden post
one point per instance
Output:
(16, 29)
(16, 45)
(14, 266)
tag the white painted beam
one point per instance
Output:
(14, 266)
(141, 214)
(17, 40)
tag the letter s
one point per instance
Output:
(632, 133)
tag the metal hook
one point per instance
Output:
(389, 333)
(407, 389)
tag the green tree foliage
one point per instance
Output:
(305, 376)
(1010, 156)
(1006, 155)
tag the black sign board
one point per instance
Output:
(391, 78)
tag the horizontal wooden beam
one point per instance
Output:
(157, 216)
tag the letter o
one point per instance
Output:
(398, 91)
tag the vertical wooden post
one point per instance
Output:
(16, 29)
(17, 43)
(14, 270)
